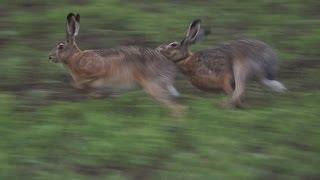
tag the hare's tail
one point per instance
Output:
(274, 85)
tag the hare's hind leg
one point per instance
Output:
(159, 92)
(173, 91)
(240, 71)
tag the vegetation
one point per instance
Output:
(50, 131)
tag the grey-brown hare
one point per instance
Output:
(226, 67)
(120, 67)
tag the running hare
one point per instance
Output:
(226, 67)
(121, 67)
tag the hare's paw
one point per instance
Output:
(77, 85)
(179, 112)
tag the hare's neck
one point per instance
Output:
(71, 64)
(76, 48)
(184, 64)
(73, 56)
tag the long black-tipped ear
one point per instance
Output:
(71, 27)
(193, 31)
(77, 18)
(70, 24)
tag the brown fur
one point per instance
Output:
(226, 67)
(122, 67)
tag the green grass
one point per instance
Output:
(121, 137)
(49, 131)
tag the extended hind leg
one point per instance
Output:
(173, 91)
(168, 84)
(161, 94)
(240, 71)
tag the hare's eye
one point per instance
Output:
(60, 46)
(174, 44)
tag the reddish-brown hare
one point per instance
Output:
(227, 67)
(121, 67)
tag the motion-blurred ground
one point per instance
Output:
(50, 131)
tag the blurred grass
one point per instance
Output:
(51, 132)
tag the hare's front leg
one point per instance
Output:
(83, 83)
(77, 85)
(103, 93)
(77, 82)
(84, 87)
(227, 84)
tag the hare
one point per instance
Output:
(122, 67)
(227, 67)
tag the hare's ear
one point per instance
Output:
(77, 18)
(71, 27)
(193, 32)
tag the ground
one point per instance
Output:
(51, 131)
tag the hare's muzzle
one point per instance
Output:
(53, 59)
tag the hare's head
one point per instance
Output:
(177, 51)
(67, 48)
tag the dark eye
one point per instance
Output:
(61, 46)
(174, 44)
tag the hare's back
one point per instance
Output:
(216, 60)
(254, 50)
(145, 61)
(262, 59)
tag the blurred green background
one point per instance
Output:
(50, 131)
